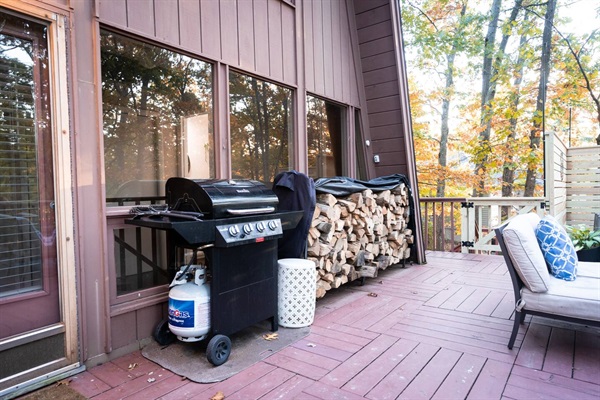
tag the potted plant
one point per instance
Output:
(586, 242)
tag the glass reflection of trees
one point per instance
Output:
(147, 92)
(261, 128)
(324, 130)
(24, 136)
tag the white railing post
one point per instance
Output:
(467, 230)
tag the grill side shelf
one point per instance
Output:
(188, 233)
(195, 233)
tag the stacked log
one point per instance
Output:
(356, 236)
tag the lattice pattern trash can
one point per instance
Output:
(296, 292)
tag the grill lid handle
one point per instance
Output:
(251, 211)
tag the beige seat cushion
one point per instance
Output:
(525, 253)
(579, 298)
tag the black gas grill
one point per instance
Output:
(239, 222)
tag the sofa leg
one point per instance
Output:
(522, 319)
(518, 320)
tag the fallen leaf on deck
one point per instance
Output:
(373, 294)
(150, 380)
(311, 345)
(218, 396)
(271, 336)
(132, 366)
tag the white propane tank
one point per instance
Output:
(189, 309)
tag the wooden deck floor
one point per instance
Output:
(434, 331)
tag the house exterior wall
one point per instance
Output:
(343, 51)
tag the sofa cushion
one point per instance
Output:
(525, 253)
(577, 299)
(557, 248)
(589, 269)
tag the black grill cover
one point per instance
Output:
(295, 191)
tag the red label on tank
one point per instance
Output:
(260, 239)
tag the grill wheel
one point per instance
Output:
(218, 350)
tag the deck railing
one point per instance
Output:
(441, 222)
(467, 224)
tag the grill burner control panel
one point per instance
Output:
(236, 234)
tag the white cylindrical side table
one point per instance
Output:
(297, 287)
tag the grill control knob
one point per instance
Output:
(272, 225)
(247, 229)
(260, 226)
(234, 230)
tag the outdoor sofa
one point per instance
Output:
(537, 291)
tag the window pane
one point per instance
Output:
(261, 128)
(361, 167)
(157, 113)
(140, 259)
(21, 225)
(324, 129)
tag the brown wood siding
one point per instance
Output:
(329, 59)
(380, 76)
(257, 36)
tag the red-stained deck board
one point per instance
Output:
(533, 348)
(457, 298)
(491, 380)
(326, 392)
(309, 358)
(340, 335)
(332, 342)
(187, 391)
(500, 353)
(322, 349)
(384, 325)
(443, 296)
(491, 302)
(471, 321)
(473, 301)
(347, 370)
(299, 367)
(379, 313)
(401, 376)
(560, 352)
(136, 385)
(587, 357)
(159, 388)
(459, 381)
(242, 379)
(394, 345)
(546, 389)
(135, 364)
(289, 389)
(359, 333)
(434, 373)
(263, 385)
(88, 384)
(366, 379)
(562, 381)
(112, 374)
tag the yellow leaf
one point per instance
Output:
(270, 336)
(218, 396)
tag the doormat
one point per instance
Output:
(247, 348)
(55, 391)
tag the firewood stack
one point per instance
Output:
(355, 236)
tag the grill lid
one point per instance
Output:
(220, 198)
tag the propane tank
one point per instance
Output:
(189, 308)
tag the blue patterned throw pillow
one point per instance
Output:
(557, 248)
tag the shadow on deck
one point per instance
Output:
(438, 330)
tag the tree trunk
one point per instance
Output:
(535, 136)
(484, 138)
(448, 91)
(508, 170)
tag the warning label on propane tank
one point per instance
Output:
(181, 313)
